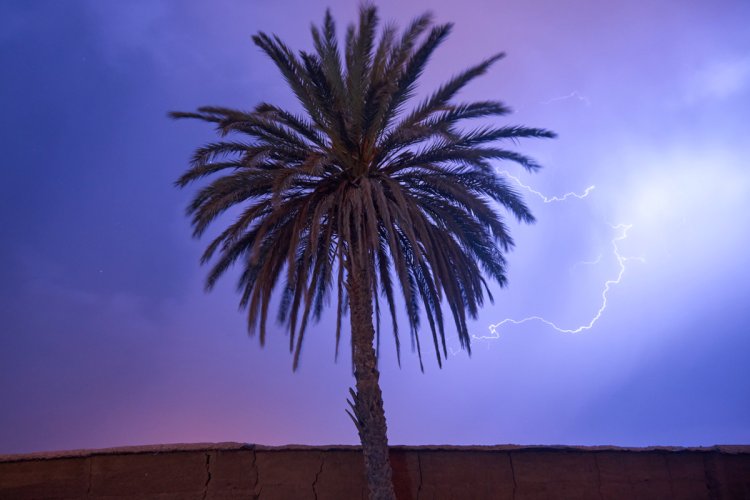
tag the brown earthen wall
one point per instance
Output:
(223, 471)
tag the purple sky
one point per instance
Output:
(108, 338)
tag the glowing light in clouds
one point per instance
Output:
(685, 188)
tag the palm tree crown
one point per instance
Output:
(360, 185)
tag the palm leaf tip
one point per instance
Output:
(546, 134)
(176, 115)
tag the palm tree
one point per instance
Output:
(361, 195)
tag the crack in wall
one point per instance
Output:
(421, 480)
(599, 476)
(254, 469)
(709, 474)
(88, 486)
(208, 475)
(317, 475)
(513, 474)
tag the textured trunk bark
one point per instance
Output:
(368, 402)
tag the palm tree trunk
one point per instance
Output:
(368, 401)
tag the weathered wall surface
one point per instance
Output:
(230, 470)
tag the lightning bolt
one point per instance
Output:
(621, 260)
(622, 234)
(573, 95)
(547, 199)
(587, 262)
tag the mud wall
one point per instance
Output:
(231, 470)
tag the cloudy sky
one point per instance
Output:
(625, 319)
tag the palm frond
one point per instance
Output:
(361, 190)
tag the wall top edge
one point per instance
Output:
(232, 446)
